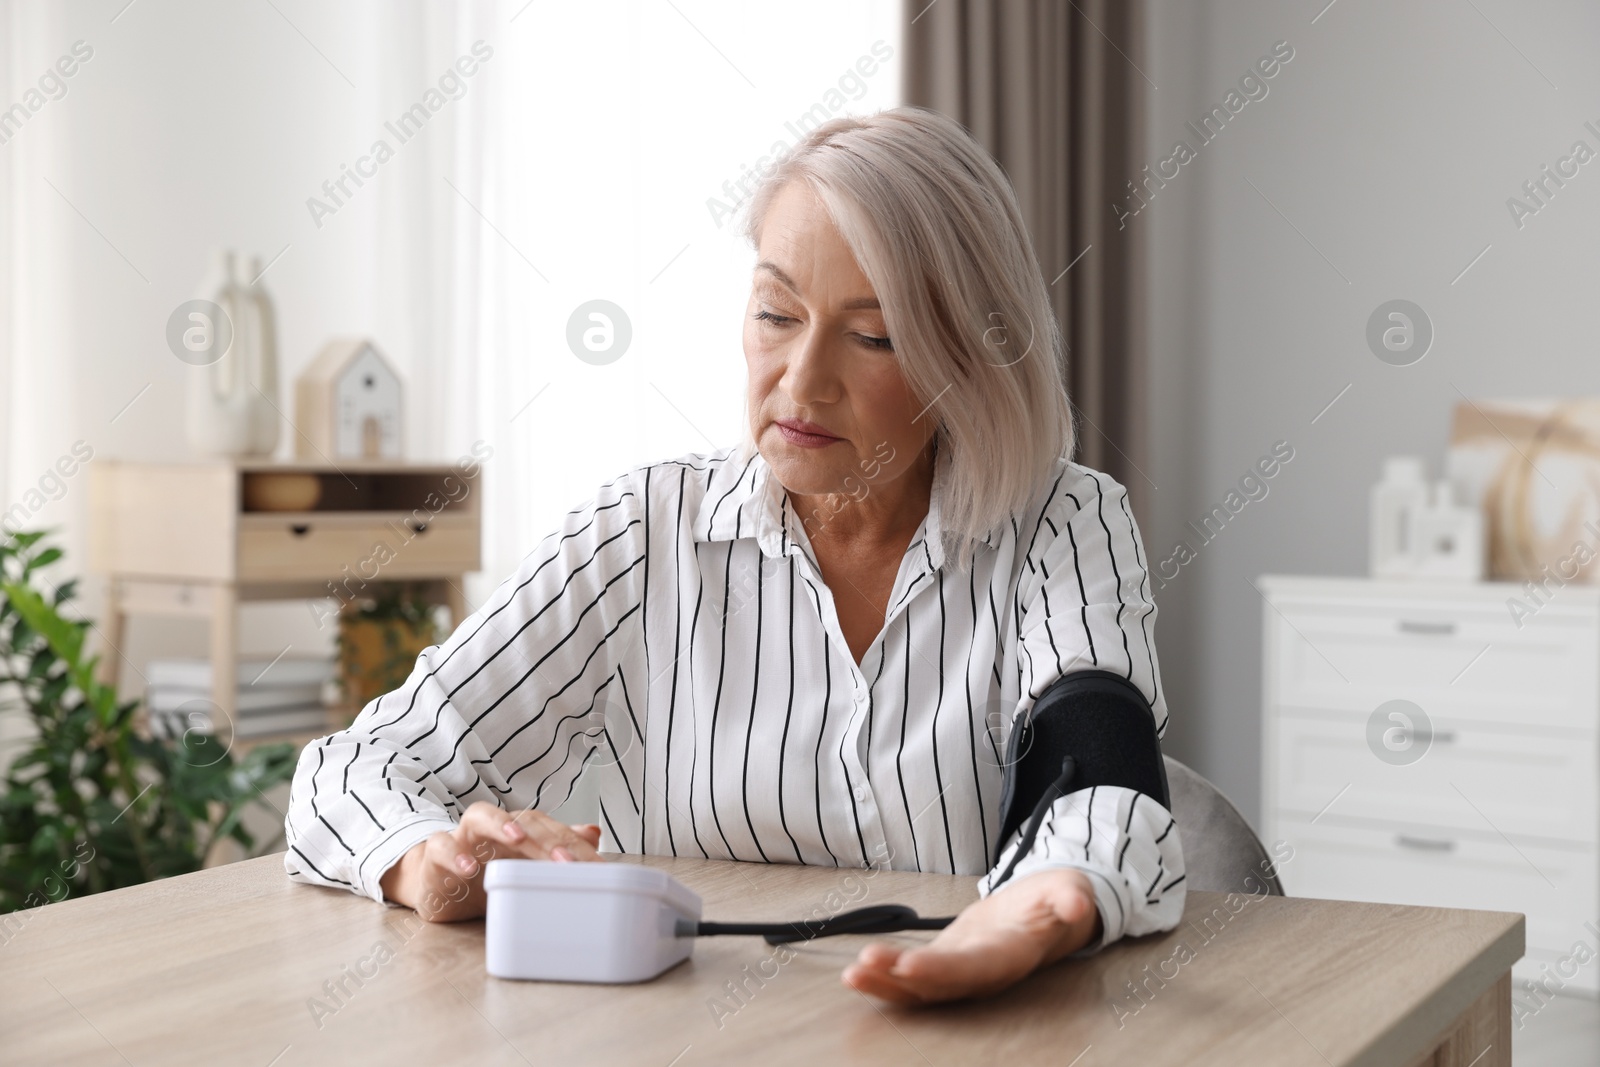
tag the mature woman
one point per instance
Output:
(803, 649)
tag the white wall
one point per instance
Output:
(1392, 141)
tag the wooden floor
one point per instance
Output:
(1566, 1033)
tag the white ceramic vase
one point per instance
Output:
(232, 403)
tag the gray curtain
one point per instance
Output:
(1054, 90)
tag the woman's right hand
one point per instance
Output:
(442, 876)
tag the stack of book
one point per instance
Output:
(273, 697)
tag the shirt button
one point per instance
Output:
(861, 793)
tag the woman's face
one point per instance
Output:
(829, 408)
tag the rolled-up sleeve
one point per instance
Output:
(503, 711)
(1084, 603)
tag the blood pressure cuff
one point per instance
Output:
(1103, 724)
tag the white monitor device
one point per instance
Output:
(584, 922)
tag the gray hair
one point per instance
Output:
(934, 224)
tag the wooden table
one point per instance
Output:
(230, 965)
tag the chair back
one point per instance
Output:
(1221, 853)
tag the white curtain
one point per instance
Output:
(588, 160)
(35, 363)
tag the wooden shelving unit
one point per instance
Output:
(179, 540)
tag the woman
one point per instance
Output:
(800, 650)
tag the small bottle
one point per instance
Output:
(1397, 501)
(1451, 537)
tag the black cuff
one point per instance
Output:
(1103, 723)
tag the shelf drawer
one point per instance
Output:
(1487, 779)
(1475, 663)
(373, 547)
(1555, 888)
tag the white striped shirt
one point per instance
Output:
(676, 636)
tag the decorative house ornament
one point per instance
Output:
(348, 404)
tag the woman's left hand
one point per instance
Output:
(992, 944)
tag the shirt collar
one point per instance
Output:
(739, 501)
(745, 499)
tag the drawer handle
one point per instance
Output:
(418, 527)
(1424, 844)
(299, 529)
(1411, 626)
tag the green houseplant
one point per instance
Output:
(91, 802)
(379, 640)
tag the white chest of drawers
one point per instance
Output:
(1487, 799)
